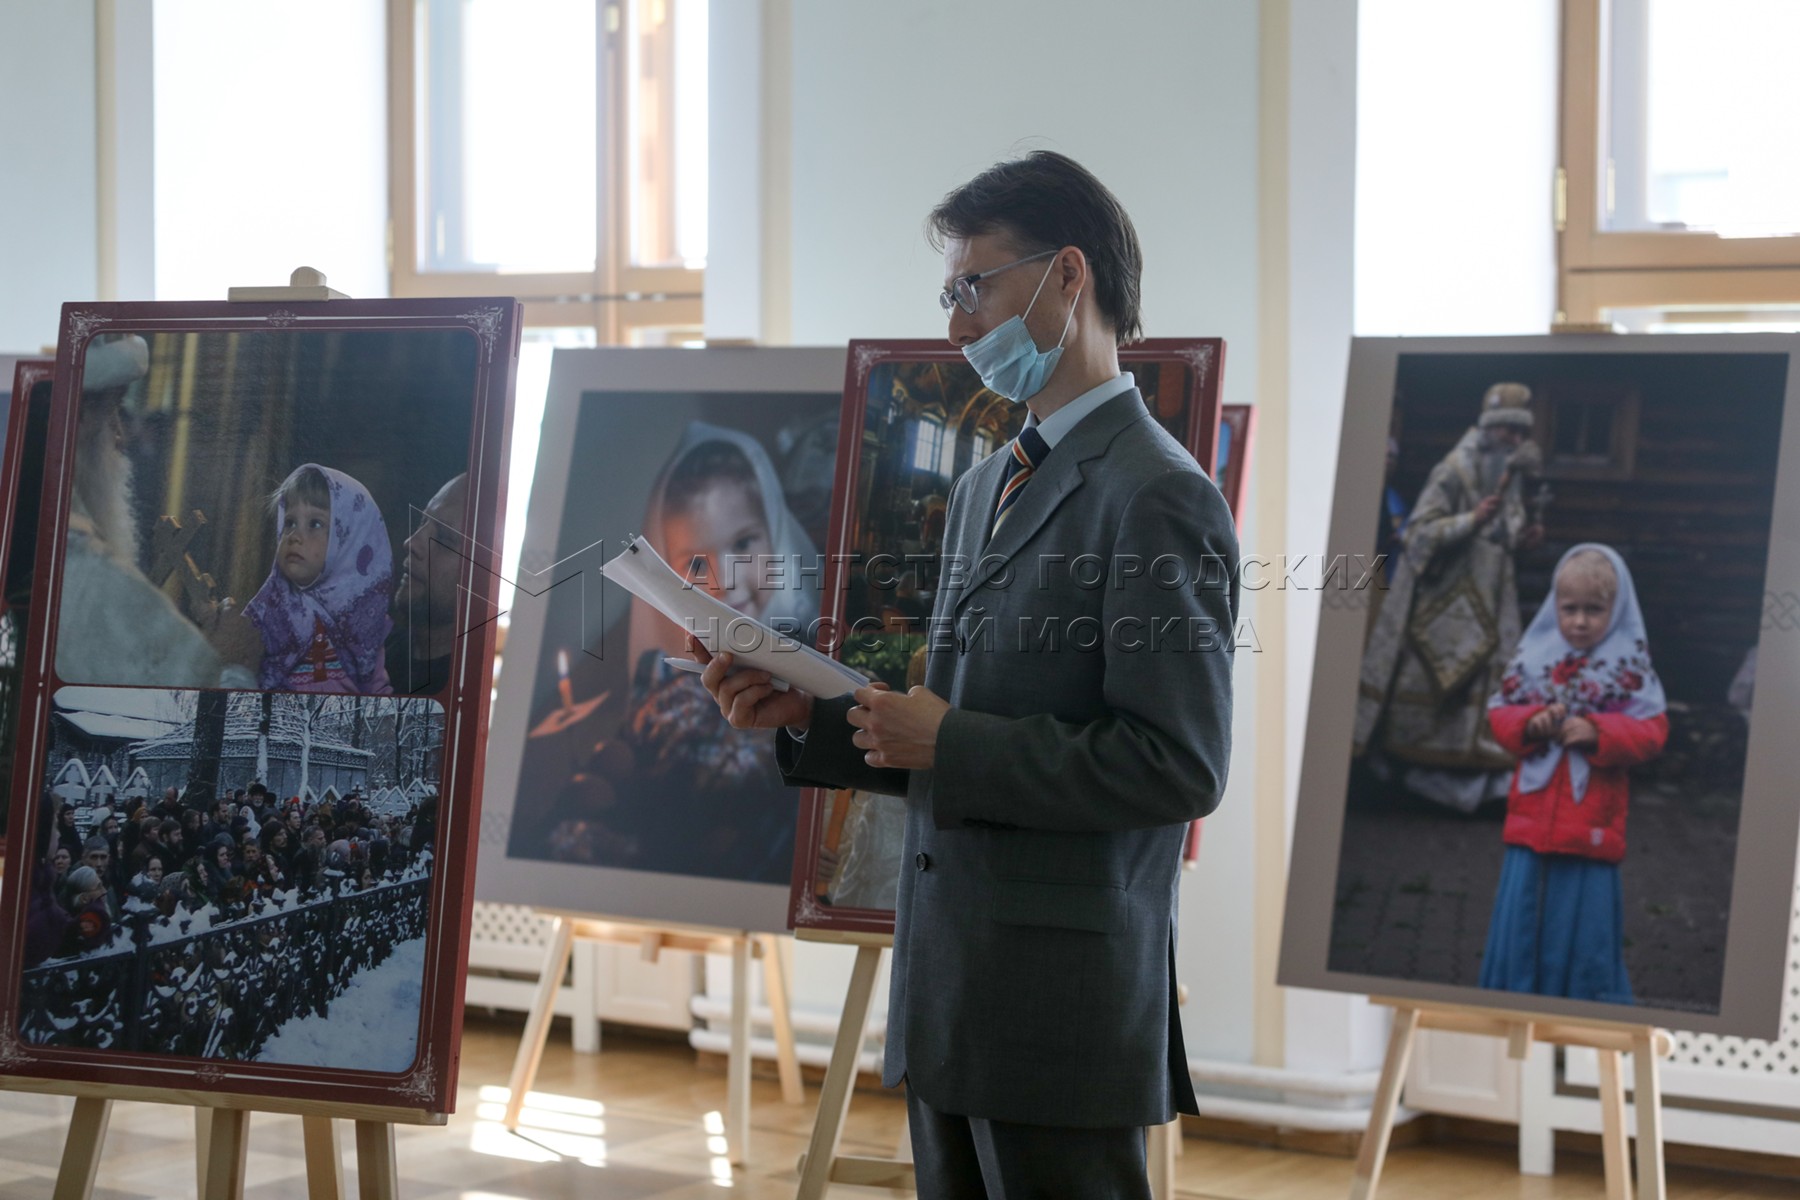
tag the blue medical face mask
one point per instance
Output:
(1008, 360)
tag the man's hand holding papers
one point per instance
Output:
(746, 663)
(747, 696)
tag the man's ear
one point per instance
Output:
(1072, 271)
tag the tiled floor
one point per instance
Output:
(633, 1124)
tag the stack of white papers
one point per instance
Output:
(716, 625)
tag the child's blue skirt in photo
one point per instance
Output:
(1558, 928)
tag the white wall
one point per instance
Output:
(895, 104)
(892, 105)
(48, 218)
(1322, 1031)
(1321, 179)
(271, 145)
(736, 66)
(1456, 149)
(126, 123)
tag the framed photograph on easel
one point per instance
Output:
(618, 790)
(1549, 759)
(1231, 471)
(257, 661)
(915, 417)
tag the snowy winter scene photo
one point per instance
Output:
(233, 875)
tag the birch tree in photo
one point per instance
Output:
(209, 746)
(262, 737)
(401, 732)
(307, 711)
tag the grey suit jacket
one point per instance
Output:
(1086, 654)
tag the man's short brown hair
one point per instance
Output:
(1045, 201)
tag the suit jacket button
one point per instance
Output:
(922, 860)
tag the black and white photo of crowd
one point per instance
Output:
(220, 874)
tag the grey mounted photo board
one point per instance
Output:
(1549, 756)
(618, 789)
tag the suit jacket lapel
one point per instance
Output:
(1060, 475)
(964, 540)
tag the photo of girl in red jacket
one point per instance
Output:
(1578, 706)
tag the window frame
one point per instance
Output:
(1600, 269)
(615, 298)
(929, 446)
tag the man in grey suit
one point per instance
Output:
(1076, 714)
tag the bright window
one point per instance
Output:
(668, 133)
(947, 457)
(1703, 107)
(498, 192)
(1708, 319)
(928, 444)
(1678, 188)
(555, 151)
(265, 156)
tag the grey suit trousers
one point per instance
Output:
(973, 1158)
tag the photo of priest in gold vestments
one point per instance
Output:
(1448, 621)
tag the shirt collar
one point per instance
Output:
(1057, 425)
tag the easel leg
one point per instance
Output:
(226, 1151)
(202, 1147)
(377, 1175)
(737, 1067)
(775, 986)
(1373, 1155)
(537, 1025)
(1613, 1150)
(81, 1150)
(1159, 1150)
(1647, 1093)
(840, 1078)
(324, 1159)
(584, 1028)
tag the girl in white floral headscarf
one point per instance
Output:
(1578, 706)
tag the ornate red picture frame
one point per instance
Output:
(1237, 432)
(21, 482)
(291, 510)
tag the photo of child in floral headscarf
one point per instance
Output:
(238, 502)
(628, 766)
(323, 611)
(1579, 706)
(1547, 778)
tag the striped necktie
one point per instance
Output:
(1024, 456)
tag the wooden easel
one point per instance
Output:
(1608, 1039)
(652, 938)
(822, 1165)
(222, 1126)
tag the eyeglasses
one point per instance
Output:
(962, 294)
